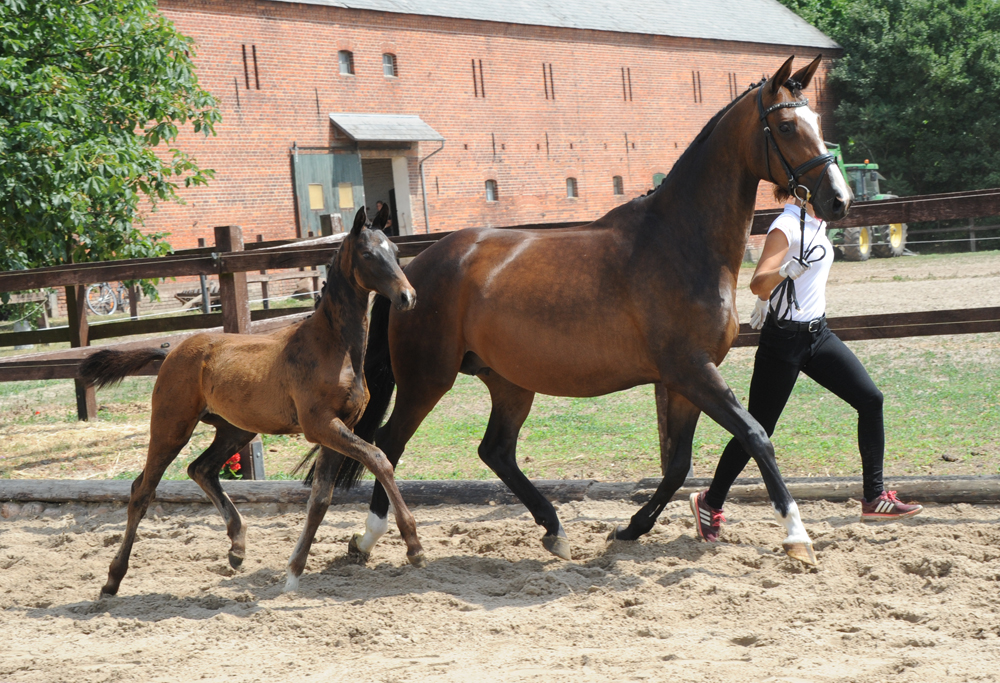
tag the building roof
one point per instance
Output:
(385, 128)
(750, 21)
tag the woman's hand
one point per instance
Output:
(793, 269)
(759, 314)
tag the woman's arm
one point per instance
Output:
(766, 276)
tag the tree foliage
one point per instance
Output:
(918, 88)
(92, 94)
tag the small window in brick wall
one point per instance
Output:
(571, 190)
(491, 191)
(345, 59)
(618, 185)
(389, 65)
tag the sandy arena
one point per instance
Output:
(909, 602)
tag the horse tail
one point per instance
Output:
(109, 367)
(381, 382)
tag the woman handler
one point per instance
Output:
(795, 338)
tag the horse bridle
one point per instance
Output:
(786, 290)
(793, 173)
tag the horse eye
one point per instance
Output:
(785, 128)
(367, 255)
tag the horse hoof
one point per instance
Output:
(291, 583)
(803, 552)
(418, 560)
(354, 551)
(235, 560)
(620, 533)
(107, 592)
(558, 546)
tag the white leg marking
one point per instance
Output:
(793, 524)
(375, 527)
(291, 582)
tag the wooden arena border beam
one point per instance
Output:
(953, 205)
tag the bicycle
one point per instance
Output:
(103, 299)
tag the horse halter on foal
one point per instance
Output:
(786, 290)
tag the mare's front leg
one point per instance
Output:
(228, 440)
(319, 503)
(336, 436)
(706, 389)
(676, 426)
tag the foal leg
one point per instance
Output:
(170, 429)
(706, 389)
(676, 437)
(205, 471)
(337, 436)
(319, 502)
(511, 405)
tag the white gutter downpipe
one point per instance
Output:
(423, 186)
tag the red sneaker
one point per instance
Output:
(707, 519)
(887, 507)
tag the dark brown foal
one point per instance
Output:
(305, 379)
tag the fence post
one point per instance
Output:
(662, 403)
(233, 286)
(972, 234)
(79, 336)
(263, 283)
(236, 318)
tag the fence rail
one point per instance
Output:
(230, 260)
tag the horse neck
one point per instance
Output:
(344, 305)
(710, 201)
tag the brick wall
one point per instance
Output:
(528, 133)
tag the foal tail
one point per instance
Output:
(109, 367)
(381, 382)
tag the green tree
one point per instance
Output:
(918, 88)
(89, 89)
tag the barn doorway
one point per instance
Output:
(379, 186)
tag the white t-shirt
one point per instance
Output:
(810, 287)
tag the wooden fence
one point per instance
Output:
(231, 260)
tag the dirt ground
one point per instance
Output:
(907, 602)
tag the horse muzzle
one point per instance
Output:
(833, 199)
(406, 299)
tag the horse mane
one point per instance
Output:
(695, 147)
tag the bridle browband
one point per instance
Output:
(793, 173)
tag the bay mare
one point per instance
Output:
(306, 378)
(644, 295)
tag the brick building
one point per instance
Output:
(488, 113)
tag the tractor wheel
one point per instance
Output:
(891, 240)
(857, 244)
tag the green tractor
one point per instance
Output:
(858, 244)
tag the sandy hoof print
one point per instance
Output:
(558, 546)
(354, 550)
(803, 552)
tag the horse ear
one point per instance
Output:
(360, 218)
(781, 75)
(805, 74)
(381, 218)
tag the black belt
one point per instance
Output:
(807, 326)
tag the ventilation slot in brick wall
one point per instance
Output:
(627, 83)
(734, 88)
(478, 85)
(696, 86)
(246, 67)
(549, 84)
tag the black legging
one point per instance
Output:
(827, 360)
